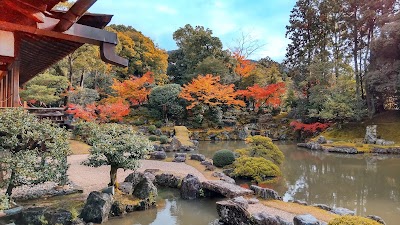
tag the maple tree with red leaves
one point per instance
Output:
(312, 127)
(209, 91)
(244, 67)
(270, 95)
(135, 89)
(108, 112)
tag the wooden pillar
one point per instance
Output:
(15, 84)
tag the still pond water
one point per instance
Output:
(366, 184)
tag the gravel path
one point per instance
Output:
(92, 179)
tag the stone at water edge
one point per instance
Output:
(191, 187)
(97, 207)
(263, 218)
(321, 140)
(168, 180)
(232, 213)
(198, 157)
(265, 193)
(145, 189)
(377, 219)
(323, 206)
(305, 220)
(241, 201)
(126, 187)
(370, 134)
(343, 211)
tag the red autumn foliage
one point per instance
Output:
(270, 95)
(312, 127)
(134, 89)
(109, 112)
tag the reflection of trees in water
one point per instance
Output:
(356, 182)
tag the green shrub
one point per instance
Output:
(163, 139)
(257, 168)
(84, 130)
(352, 220)
(262, 147)
(32, 151)
(153, 138)
(151, 128)
(223, 158)
(139, 122)
(4, 202)
(159, 124)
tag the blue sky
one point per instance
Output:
(264, 20)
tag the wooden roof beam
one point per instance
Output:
(73, 15)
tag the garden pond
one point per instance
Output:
(368, 184)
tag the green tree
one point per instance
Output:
(32, 151)
(45, 88)
(83, 96)
(164, 102)
(195, 45)
(118, 146)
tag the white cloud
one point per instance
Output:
(166, 9)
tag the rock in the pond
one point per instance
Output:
(224, 177)
(61, 217)
(338, 149)
(32, 216)
(323, 206)
(145, 189)
(343, 211)
(97, 207)
(126, 187)
(117, 209)
(168, 180)
(241, 201)
(158, 155)
(306, 219)
(370, 134)
(226, 189)
(377, 219)
(264, 218)
(232, 213)
(198, 157)
(300, 202)
(191, 187)
(265, 193)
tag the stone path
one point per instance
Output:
(92, 179)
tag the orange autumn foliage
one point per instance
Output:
(134, 90)
(244, 67)
(209, 91)
(270, 95)
(109, 112)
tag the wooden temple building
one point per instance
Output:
(34, 36)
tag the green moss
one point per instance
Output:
(163, 139)
(223, 158)
(153, 138)
(353, 220)
(262, 147)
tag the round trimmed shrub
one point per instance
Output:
(353, 220)
(159, 124)
(152, 128)
(163, 139)
(153, 138)
(223, 158)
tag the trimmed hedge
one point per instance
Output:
(223, 158)
(353, 220)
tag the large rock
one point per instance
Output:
(232, 213)
(265, 193)
(175, 144)
(32, 216)
(145, 189)
(224, 177)
(343, 211)
(134, 178)
(126, 187)
(179, 157)
(168, 180)
(62, 217)
(198, 157)
(117, 209)
(371, 134)
(344, 150)
(191, 187)
(241, 201)
(158, 155)
(264, 218)
(377, 219)
(226, 189)
(243, 133)
(97, 207)
(305, 220)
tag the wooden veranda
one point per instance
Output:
(34, 36)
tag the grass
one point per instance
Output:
(78, 147)
(299, 209)
(388, 124)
